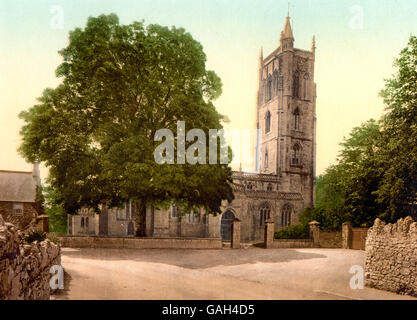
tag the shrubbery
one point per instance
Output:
(297, 231)
(35, 236)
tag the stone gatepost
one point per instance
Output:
(315, 233)
(347, 235)
(235, 234)
(42, 223)
(269, 234)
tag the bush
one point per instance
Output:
(297, 231)
(35, 236)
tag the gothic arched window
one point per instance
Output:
(269, 88)
(264, 214)
(266, 159)
(296, 86)
(286, 215)
(267, 122)
(306, 87)
(82, 222)
(296, 119)
(295, 155)
(275, 82)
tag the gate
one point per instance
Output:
(130, 229)
(226, 225)
(359, 238)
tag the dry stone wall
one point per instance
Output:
(391, 256)
(24, 267)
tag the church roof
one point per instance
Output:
(287, 33)
(17, 186)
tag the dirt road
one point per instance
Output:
(251, 273)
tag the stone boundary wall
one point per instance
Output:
(292, 243)
(330, 239)
(139, 243)
(391, 256)
(24, 268)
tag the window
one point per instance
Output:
(18, 209)
(306, 87)
(86, 222)
(267, 122)
(249, 186)
(275, 82)
(175, 211)
(296, 119)
(296, 86)
(269, 187)
(269, 89)
(82, 222)
(286, 215)
(264, 215)
(266, 159)
(295, 155)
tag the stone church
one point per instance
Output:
(285, 161)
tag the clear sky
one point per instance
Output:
(357, 42)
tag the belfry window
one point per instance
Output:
(296, 119)
(269, 89)
(266, 159)
(275, 82)
(267, 122)
(295, 155)
(296, 86)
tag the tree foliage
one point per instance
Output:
(376, 171)
(95, 131)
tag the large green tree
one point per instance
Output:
(95, 131)
(376, 172)
(397, 191)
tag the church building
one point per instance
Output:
(284, 182)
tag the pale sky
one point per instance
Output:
(353, 55)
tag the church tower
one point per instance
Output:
(286, 116)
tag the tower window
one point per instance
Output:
(266, 159)
(296, 86)
(296, 119)
(286, 215)
(275, 82)
(267, 122)
(269, 88)
(295, 155)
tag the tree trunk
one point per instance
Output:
(140, 218)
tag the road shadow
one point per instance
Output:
(194, 259)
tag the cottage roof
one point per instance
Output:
(17, 186)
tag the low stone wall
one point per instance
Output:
(330, 239)
(139, 243)
(24, 268)
(391, 256)
(292, 243)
